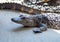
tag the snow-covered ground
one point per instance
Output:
(12, 32)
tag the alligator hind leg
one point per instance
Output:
(43, 27)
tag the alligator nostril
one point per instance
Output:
(12, 19)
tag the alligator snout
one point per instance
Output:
(14, 20)
(17, 19)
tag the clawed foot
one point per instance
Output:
(39, 30)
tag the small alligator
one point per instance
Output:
(42, 21)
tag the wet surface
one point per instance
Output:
(12, 32)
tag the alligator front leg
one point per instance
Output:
(43, 27)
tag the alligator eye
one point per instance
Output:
(20, 15)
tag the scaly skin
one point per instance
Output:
(18, 7)
(21, 8)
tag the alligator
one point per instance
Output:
(18, 7)
(41, 21)
(21, 7)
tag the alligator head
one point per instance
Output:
(22, 19)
